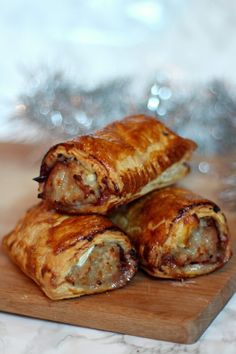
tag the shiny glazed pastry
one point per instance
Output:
(123, 161)
(177, 234)
(70, 256)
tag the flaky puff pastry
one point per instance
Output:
(70, 256)
(125, 160)
(177, 234)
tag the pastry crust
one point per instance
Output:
(177, 234)
(125, 160)
(70, 256)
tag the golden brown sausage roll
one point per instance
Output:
(177, 234)
(113, 166)
(69, 256)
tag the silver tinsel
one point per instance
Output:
(205, 113)
(60, 107)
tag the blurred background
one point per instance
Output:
(70, 66)
(88, 44)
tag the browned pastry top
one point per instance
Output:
(124, 138)
(60, 232)
(160, 210)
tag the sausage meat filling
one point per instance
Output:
(202, 246)
(101, 266)
(71, 182)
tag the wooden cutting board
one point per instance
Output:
(159, 309)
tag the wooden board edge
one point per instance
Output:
(173, 334)
(197, 326)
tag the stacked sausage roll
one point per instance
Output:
(177, 234)
(69, 256)
(70, 248)
(124, 161)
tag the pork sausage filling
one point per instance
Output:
(203, 245)
(102, 266)
(71, 182)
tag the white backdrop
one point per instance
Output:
(98, 39)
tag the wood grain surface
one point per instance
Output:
(160, 309)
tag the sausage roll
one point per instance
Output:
(113, 166)
(70, 256)
(177, 234)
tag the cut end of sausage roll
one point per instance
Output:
(103, 266)
(123, 161)
(177, 233)
(71, 256)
